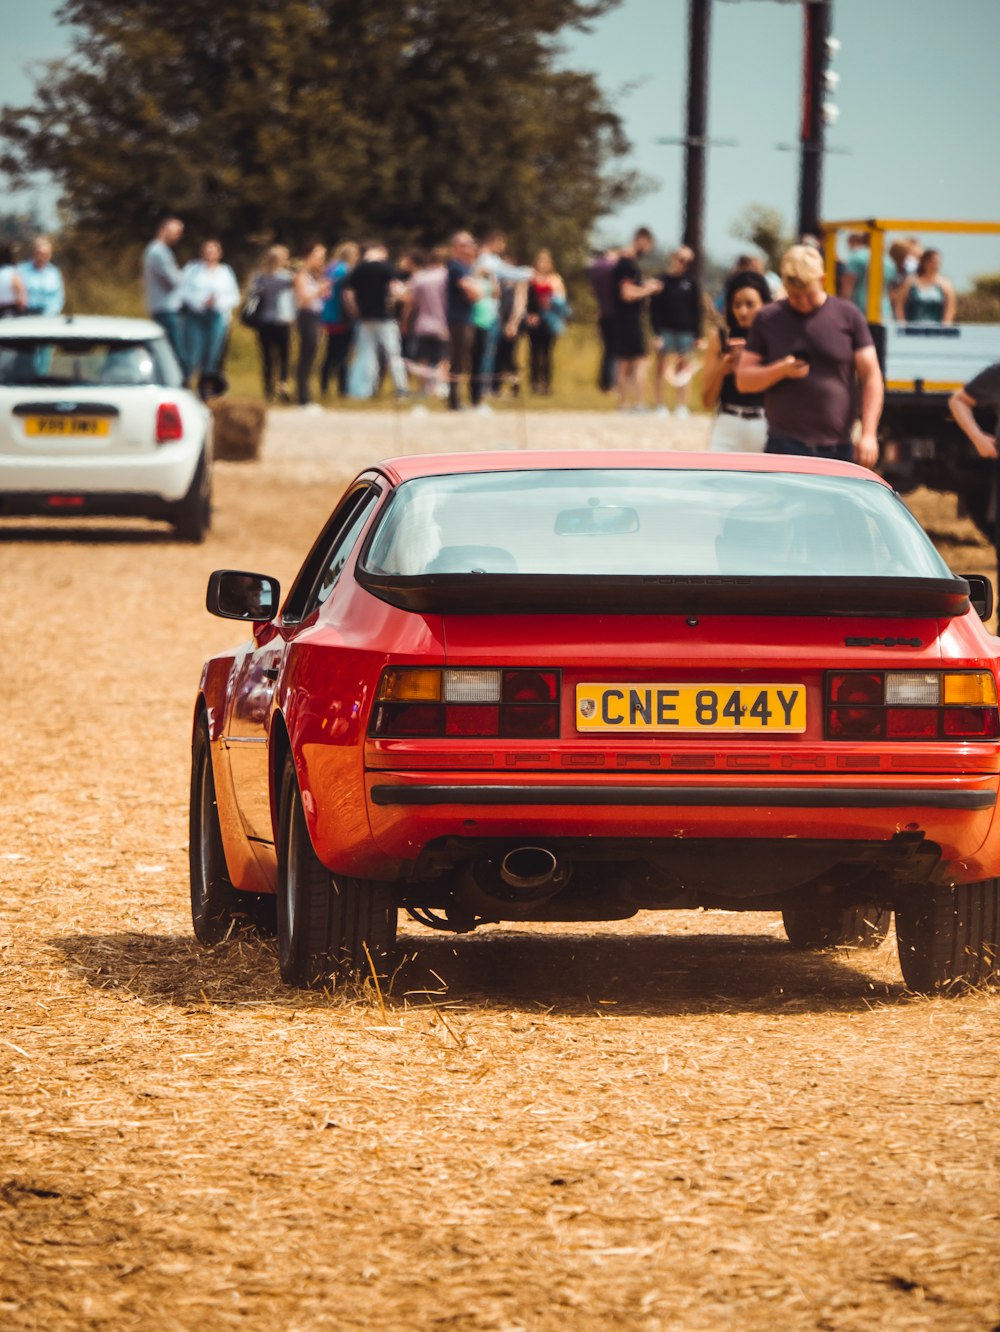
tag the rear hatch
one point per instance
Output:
(695, 692)
(80, 423)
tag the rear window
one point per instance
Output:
(638, 522)
(90, 363)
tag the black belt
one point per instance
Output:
(744, 413)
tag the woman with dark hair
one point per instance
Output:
(273, 287)
(545, 319)
(13, 295)
(926, 297)
(739, 426)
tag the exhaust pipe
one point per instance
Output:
(514, 887)
(529, 867)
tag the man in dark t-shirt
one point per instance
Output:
(983, 390)
(676, 316)
(630, 293)
(808, 354)
(367, 293)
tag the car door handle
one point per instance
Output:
(270, 672)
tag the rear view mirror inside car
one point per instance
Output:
(597, 520)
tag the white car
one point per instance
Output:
(94, 419)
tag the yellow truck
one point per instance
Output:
(923, 364)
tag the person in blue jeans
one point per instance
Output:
(209, 294)
(337, 323)
(162, 280)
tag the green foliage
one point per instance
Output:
(19, 229)
(257, 120)
(764, 227)
(981, 305)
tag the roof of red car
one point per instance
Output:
(447, 464)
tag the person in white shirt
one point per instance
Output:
(209, 294)
(43, 282)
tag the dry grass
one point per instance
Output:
(673, 1122)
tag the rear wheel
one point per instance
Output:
(216, 906)
(328, 924)
(193, 515)
(949, 938)
(823, 925)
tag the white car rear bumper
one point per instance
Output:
(165, 474)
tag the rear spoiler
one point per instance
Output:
(669, 594)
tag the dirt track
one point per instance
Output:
(676, 1122)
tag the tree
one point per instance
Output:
(293, 119)
(980, 305)
(764, 227)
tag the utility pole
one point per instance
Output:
(696, 141)
(818, 20)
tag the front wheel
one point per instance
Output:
(949, 938)
(328, 924)
(829, 926)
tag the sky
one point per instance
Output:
(919, 103)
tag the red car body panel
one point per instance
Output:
(311, 686)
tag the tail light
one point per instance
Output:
(168, 423)
(911, 705)
(484, 702)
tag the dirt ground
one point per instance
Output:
(675, 1122)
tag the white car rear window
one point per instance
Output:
(78, 363)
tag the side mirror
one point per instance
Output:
(980, 594)
(242, 596)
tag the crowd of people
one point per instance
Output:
(451, 322)
(447, 322)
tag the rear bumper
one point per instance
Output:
(942, 796)
(128, 481)
(409, 810)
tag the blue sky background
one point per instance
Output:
(919, 99)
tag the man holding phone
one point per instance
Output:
(806, 354)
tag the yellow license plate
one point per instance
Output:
(66, 425)
(691, 709)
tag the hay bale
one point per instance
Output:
(239, 428)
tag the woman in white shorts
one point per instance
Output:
(739, 426)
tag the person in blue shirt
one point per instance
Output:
(853, 283)
(43, 281)
(461, 294)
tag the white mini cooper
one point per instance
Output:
(95, 419)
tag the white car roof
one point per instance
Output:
(98, 327)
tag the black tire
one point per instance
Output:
(949, 938)
(193, 516)
(328, 924)
(217, 908)
(823, 925)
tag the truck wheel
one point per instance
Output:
(328, 924)
(216, 906)
(828, 926)
(949, 938)
(193, 515)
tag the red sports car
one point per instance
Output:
(573, 686)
